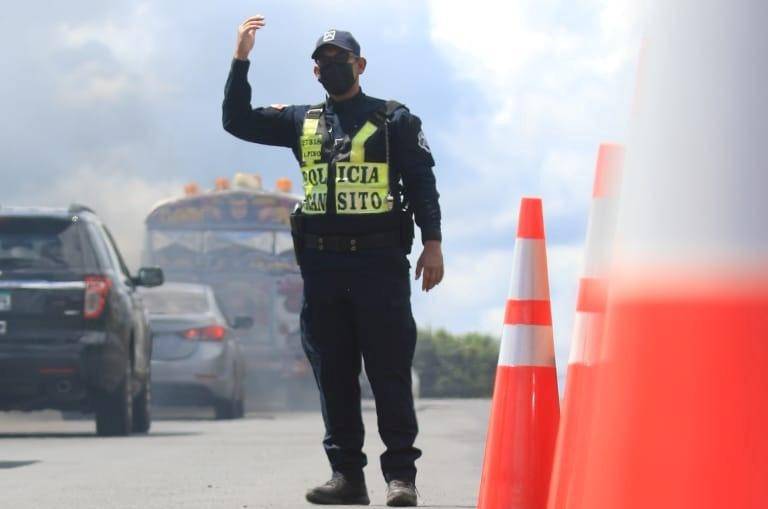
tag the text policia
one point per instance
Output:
(360, 188)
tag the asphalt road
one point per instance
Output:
(191, 461)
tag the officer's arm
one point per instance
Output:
(268, 126)
(413, 157)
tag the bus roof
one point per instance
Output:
(230, 209)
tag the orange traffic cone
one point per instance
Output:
(680, 409)
(572, 441)
(525, 411)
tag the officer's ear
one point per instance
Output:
(316, 70)
(361, 63)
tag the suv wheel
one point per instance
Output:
(142, 413)
(225, 409)
(114, 410)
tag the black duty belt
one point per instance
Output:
(350, 243)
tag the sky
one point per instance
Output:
(118, 104)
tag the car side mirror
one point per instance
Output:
(150, 276)
(242, 322)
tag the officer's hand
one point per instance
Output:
(246, 36)
(431, 264)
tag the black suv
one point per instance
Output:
(74, 334)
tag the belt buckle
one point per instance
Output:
(353, 244)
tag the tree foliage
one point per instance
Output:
(455, 366)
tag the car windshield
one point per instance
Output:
(175, 302)
(31, 243)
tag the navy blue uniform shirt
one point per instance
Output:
(410, 156)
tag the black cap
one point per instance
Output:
(340, 39)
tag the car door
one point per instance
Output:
(139, 320)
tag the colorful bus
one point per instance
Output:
(237, 240)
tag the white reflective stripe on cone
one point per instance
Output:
(587, 331)
(527, 345)
(529, 271)
(600, 233)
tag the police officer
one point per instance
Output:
(366, 170)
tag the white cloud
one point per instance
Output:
(131, 37)
(492, 320)
(532, 62)
(548, 81)
(566, 178)
(90, 83)
(493, 41)
(114, 57)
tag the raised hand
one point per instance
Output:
(246, 36)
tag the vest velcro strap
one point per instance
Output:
(350, 244)
(314, 112)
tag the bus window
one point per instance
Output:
(176, 249)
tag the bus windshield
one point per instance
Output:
(217, 250)
(176, 249)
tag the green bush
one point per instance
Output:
(456, 366)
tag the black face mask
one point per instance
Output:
(337, 78)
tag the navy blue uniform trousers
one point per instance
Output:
(347, 315)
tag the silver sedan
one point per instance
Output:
(196, 354)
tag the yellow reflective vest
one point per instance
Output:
(359, 182)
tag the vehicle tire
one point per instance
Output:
(240, 401)
(114, 410)
(142, 409)
(231, 408)
(225, 409)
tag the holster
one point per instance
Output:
(297, 232)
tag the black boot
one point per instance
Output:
(340, 490)
(401, 493)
